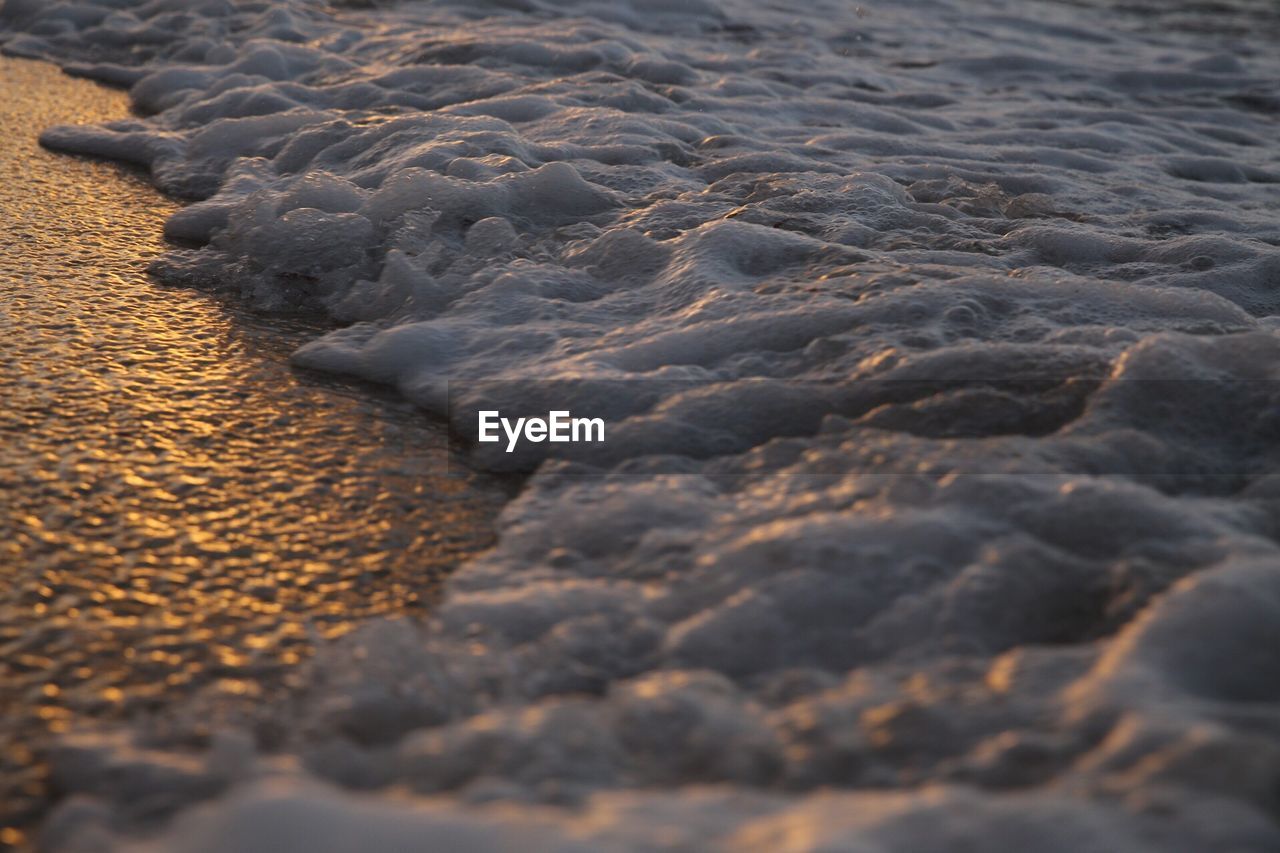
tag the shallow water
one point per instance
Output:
(1031, 604)
(178, 509)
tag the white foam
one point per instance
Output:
(937, 349)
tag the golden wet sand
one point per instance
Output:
(178, 509)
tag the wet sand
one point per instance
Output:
(179, 510)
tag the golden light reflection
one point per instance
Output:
(180, 513)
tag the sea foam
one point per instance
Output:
(938, 339)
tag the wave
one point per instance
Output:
(939, 339)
